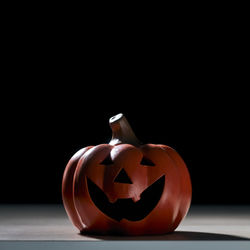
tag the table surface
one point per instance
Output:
(50, 223)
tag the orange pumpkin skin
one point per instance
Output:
(88, 165)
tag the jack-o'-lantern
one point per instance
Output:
(126, 187)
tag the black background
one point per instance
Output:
(182, 83)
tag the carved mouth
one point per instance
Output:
(127, 208)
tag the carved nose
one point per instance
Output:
(122, 177)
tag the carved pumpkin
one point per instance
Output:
(125, 187)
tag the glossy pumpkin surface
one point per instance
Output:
(126, 187)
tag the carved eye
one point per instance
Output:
(107, 160)
(147, 162)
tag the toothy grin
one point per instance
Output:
(127, 208)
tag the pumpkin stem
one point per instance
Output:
(121, 131)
